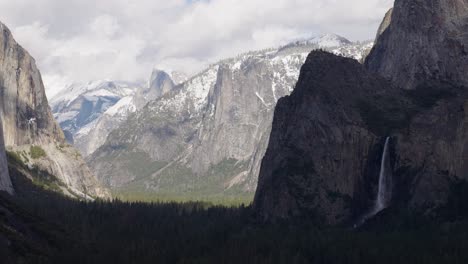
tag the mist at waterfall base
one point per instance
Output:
(384, 191)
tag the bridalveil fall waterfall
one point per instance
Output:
(384, 193)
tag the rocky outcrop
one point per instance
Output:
(208, 135)
(426, 40)
(5, 181)
(323, 159)
(25, 111)
(384, 24)
(424, 50)
(321, 148)
(28, 121)
(160, 83)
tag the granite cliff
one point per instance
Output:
(206, 137)
(29, 128)
(325, 151)
(425, 40)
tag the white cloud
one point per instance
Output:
(84, 40)
(105, 25)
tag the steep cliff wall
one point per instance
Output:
(426, 40)
(326, 144)
(27, 121)
(321, 150)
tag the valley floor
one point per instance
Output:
(43, 227)
(215, 199)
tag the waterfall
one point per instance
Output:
(385, 189)
(384, 192)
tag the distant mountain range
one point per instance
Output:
(203, 137)
(88, 112)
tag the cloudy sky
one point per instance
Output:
(84, 40)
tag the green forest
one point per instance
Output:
(45, 227)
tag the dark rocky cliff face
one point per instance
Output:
(426, 40)
(424, 50)
(324, 141)
(323, 158)
(326, 145)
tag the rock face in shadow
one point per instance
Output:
(426, 40)
(28, 121)
(5, 181)
(424, 50)
(326, 144)
(320, 146)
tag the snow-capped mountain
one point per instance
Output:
(89, 112)
(356, 50)
(208, 135)
(324, 41)
(81, 108)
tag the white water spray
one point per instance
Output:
(384, 193)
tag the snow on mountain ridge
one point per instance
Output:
(103, 105)
(287, 59)
(124, 105)
(94, 88)
(357, 51)
(217, 116)
(192, 94)
(80, 110)
(327, 41)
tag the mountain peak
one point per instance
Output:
(160, 83)
(158, 77)
(177, 77)
(328, 40)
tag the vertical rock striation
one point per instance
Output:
(27, 121)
